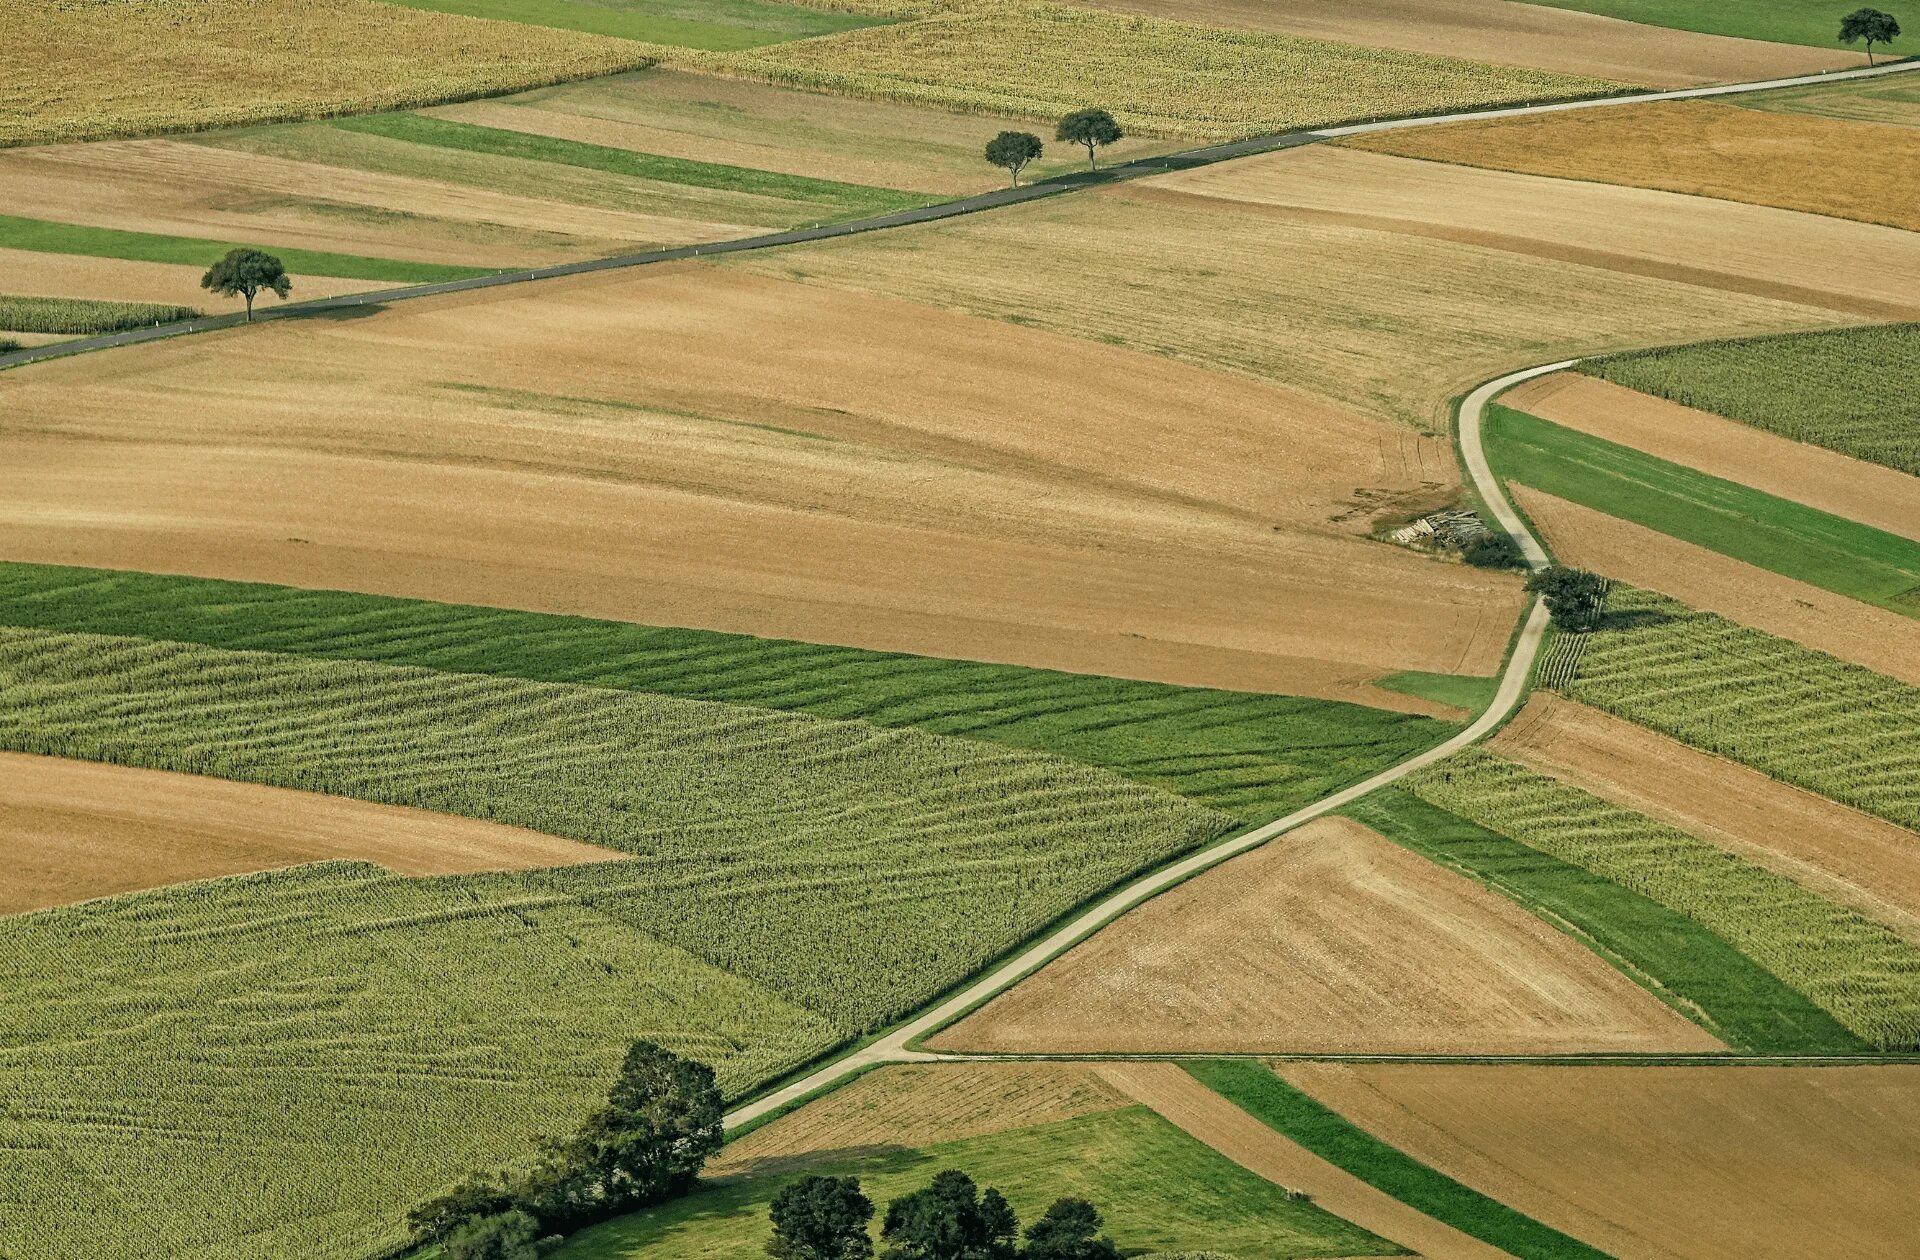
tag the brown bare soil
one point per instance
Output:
(1514, 35)
(1662, 1163)
(75, 830)
(1869, 493)
(36, 274)
(1330, 939)
(1852, 170)
(908, 1105)
(1184, 1102)
(1871, 865)
(680, 447)
(1701, 578)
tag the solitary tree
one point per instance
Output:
(1090, 127)
(1070, 1230)
(1871, 25)
(243, 273)
(1573, 595)
(950, 1220)
(1012, 150)
(821, 1218)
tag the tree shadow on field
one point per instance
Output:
(337, 314)
(1633, 619)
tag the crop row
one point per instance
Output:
(1802, 716)
(1864, 975)
(83, 315)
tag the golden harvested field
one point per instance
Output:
(1841, 853)
(1884, 498)
(1852, 170)
(1392, 311)
(64, 63)
(1331, 939)
(1183, 1101)
(29, 272)
(1886, 642)
(1559, 40)
(1894, 100)
(919, 481)
(1039, 59)
(909, 1105)
(76, 830)
(1662, 1163)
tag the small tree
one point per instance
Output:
(1012, 150)
(244, 273)
(1070, 1230)
(821, 1218)
(507, 1236)
(1573, 595)
(1871, 25)
(1089, 127)
(950, 1220)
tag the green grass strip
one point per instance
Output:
(83, 315)
(1462, 691)
(47, 237)
(500, 142)
(714, 25)
(1772, 533)
(1258, 1092)
(1780, 21)
(1676, 957)
(1255, 756)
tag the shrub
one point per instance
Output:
(1493, 551)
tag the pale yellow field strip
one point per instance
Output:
(1869, 493)
(1662, 1163)
(35, 274)
(75, 830)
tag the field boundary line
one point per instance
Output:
(1138, 168)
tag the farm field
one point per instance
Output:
(76, 831)
(913, 507)
(1253, 755)
(1785, 21)
(1328, 940)
(1040, 59)
(1855, 969)
(34, 273)
(1849, 390)
(1893, 100)
(1801, 716)
(1885, 642)
(709, 24)
(1648, 1163)
(1844, 855)
(1158, 1188)
(1506, 33)
(67, 78)
(1849, 169)
(1323, 269)
(71, 316)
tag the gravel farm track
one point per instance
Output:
(896, 1045)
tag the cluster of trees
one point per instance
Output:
(1575, 597)
(1012, 151)
(660, 1124)
(1870, 25)
(826, 1218)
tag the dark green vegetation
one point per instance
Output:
(1091, 129)
(1257, 1091)
(717, 25)
(1851, 390)
(1253, 756)
(246, 273)
(1802, 716)
(1013, 151)
(1463, 691)
(836, 200)
(1814, 22)
(68, 238)
(1158, 1188)
(1869, 26)
(1573, 596)
(1761, 529)
(78, 316)
(1674, 956)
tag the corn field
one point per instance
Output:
(78, 316)
(1858, 971)
(1802, 716)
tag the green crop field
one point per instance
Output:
(78, 316)
(1894, 100)
(1261, 1094)
(68, 238)
(1852, 390)
(711, 24)
(1463, 691)
(1157, 1187)
(837, 199)
(1802, 716)
(1254, 756)
(277, 1066)
(1858, 971)
(1789, 538)
(1673, 956)
(1811, 22)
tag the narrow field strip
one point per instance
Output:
(723, 25)
(1674, 956)
(77, 316)
(1256, 1090)
(1863, 974)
